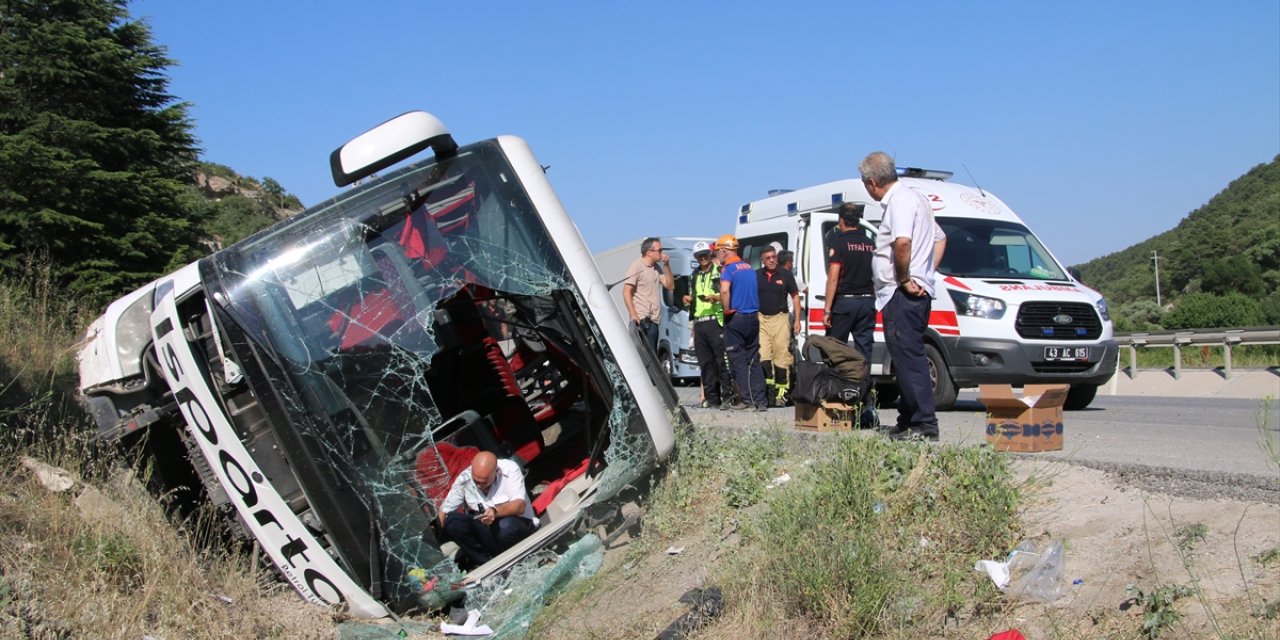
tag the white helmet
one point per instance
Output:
(700, 246)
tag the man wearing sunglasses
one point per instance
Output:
(641, 288)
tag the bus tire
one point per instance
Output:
(944, 389)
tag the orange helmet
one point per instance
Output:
(727, 241)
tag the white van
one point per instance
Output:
(1006, 310)
(325, 380)
(674, 333)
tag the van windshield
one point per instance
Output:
(995, 249)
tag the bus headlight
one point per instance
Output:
(971, 304)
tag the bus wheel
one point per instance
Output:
(944, 390)
(664, 359)
(1080, 396)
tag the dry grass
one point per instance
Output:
(102, 560)
(39, 326)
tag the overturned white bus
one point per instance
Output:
(325, 379)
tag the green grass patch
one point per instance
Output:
(1190, 536)
(1252, 356)
(710, 474)
(877, 536)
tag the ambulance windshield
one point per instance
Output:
(994, 249)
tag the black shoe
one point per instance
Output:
(760, 408)
(739, 406)
(725, 406)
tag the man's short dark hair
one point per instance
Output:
(785, 256)
(647, 244)
(850, 212)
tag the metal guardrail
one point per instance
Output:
(1225, 338)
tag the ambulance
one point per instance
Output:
(324, 381)
(1005, 311)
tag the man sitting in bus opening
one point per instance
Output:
(487, 510)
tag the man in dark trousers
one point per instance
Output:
(487, 510)
(739, 293)
(850, 294)
(909, 246)
(707, 315)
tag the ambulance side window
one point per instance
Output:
(750, 248)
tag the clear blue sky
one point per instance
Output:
(1101, 123)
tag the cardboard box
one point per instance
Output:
(828, 416)
(1032, 422)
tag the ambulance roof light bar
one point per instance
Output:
(916, 172)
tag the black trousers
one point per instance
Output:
(742, 344)
(708, 344)
(906, 317)
(478, 542)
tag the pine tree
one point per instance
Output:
(94, 153)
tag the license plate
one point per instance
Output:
(1066, 354)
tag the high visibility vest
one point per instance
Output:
(704, 284)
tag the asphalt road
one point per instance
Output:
(1202, 447)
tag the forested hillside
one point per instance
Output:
(1220, 266)
(99, 171)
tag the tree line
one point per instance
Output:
(98, 160)
(1219, 267)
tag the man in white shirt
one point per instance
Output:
(909, 246)
(487, 510)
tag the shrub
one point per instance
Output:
(1208, 311)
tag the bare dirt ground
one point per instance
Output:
(1115, 535)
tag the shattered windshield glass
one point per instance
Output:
(978, 248)
(393, 333)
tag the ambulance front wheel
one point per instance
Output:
(1080, 396)
(944, 389)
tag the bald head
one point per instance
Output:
(483, 469)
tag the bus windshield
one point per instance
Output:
(401, 328)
